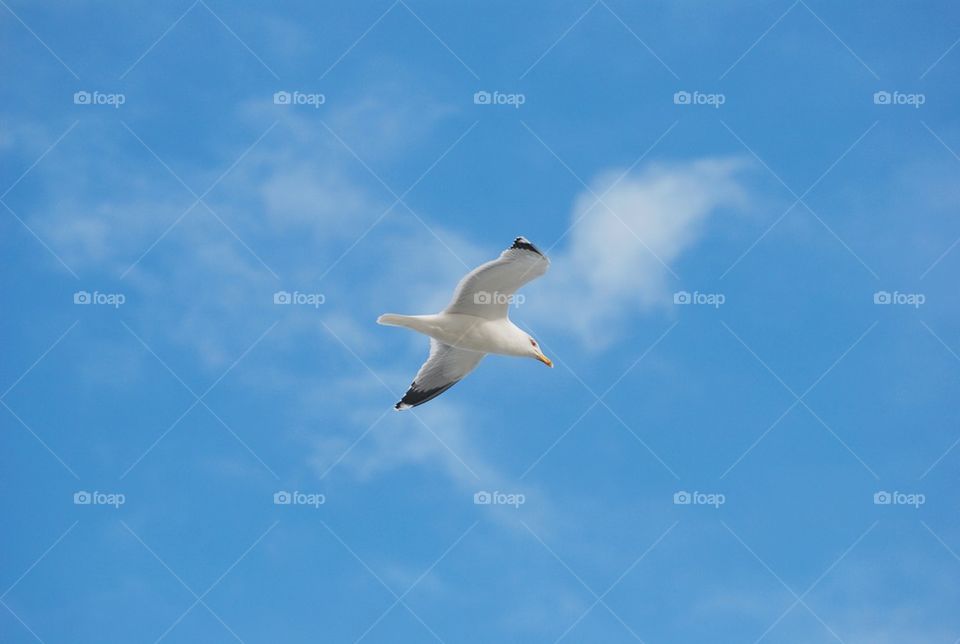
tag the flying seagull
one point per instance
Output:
(474, 324)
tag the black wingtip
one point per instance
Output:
(523, 243)
(415, 397)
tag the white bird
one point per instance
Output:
(474, 324)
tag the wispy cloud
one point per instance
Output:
(629, 233)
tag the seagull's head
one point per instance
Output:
(536, 353)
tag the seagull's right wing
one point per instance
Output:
(488, 289)
(445, 367)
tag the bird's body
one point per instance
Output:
(474, 324)
(469, 332)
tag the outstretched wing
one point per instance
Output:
(488, 290)
(445, 367)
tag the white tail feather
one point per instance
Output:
(392, 319)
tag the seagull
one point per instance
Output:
(474, 324)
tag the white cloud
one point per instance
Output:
(401, 440)
(620, 253)
(321, 201)
(445, 441)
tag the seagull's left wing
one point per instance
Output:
(487, 290)
(445, 367)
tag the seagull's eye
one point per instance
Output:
(533, 342)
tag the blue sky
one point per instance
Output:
(751, 431)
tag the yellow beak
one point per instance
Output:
(545, 360)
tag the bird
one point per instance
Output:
(475, 323)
